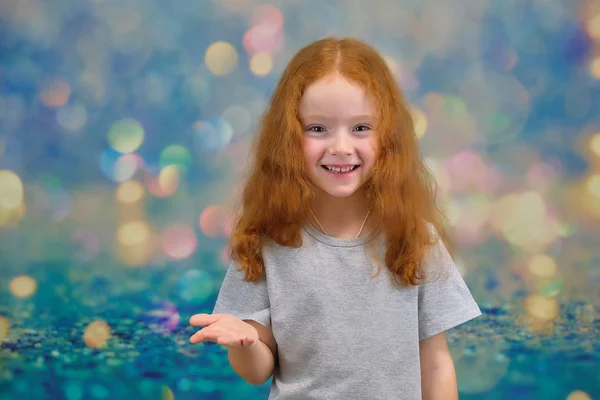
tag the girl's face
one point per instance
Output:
(339, 142)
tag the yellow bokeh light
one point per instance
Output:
(524, 221)
(13, 216)
(542, 266)
(96, 334)
(11, 190)
(4, 325)
(595, 144)
(126, 135)
(167, 393)
(133, 233)
(168, 180)
(541, 307)
(130, 192)
(595, 67)
(22, 286)
(579, 395)
(420, 122)
(593, 27)
(221, 58)
(592, 185)
(261, 64)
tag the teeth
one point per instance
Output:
(338, 170)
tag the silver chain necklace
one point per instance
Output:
(325, 232)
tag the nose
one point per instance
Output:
(341, 144)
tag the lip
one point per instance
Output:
(344, 175)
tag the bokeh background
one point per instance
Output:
(125, 128)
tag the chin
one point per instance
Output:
(339, 193)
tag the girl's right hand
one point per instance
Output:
(224, 329)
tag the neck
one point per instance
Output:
(341, 217)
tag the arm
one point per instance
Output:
(255, 364)
(438, 377)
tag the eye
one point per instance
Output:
(315, 128)
(362, 128)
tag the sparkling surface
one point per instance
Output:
(125, 130)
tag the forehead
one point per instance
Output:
(336, 96)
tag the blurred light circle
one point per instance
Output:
(126, 135)
(130, 192)
(96, 334)
(166, 393)
(179, 241)
(239, 119)
(595, 144)
(213, 134)
(11, 190)
(125, 167)
(419, 121)
(4, 327)
(541, 307)
(119, 167)
(542, 266)
(221, 58)
(72, 118)
(593, 26)
(267, 14)
(133, 233)
(261, 64)
(195, 285)
(176, 155)
(108, 158)
(263, 39)
(22, 286)
(55, 92)
(212, 220)
(524, 221)
(592, 185)
(166, 183)
(579, 395)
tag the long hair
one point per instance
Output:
(274, 202)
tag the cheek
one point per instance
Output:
(310, 151)
(369, 152)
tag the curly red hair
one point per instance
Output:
(274, 202)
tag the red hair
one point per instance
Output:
(277, 193)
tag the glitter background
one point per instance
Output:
(124, 130)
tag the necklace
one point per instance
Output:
(325, 232)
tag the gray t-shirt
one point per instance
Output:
(342, 334)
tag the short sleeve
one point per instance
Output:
(242, 299)
(444, 298)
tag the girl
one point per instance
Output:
(341, 285)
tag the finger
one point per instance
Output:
(205, 334)
(203, 319)
(197, 337)
(248, 341)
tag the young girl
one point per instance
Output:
(340, 286)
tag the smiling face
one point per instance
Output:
(339, 141)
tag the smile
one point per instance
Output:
(340, 169)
